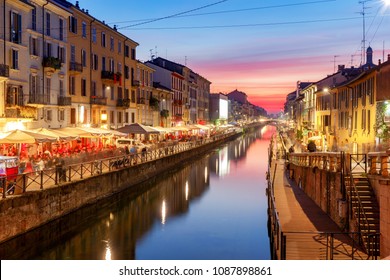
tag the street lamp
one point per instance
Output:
(386, 2)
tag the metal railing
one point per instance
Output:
(51, 177)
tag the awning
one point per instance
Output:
(55, 133)
(136, 128)
(179, 128)
(202, 127)
(162, 129)
(25, 137)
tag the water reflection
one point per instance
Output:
(209, 209)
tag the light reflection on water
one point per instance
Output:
(213, 208)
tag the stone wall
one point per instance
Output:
(21, 213)
(323, 188)
(382, 189)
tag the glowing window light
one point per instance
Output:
(81, 112)
(187, 190)
(163, 213)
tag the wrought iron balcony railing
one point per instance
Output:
(64, 101)
(98, 100)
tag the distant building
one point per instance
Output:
(219, 108)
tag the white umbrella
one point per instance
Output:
(25, 137)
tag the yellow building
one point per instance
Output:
(102, 65)
(354, 107)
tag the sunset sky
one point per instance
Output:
(260, 47)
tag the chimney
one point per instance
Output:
(77, 5)
(388, 57)
(379, 62)
(341, 67)
(115, 27)
(87, 11)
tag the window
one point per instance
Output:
(112, 117)
(133, 54)
(127, 51)
(33, 85)
(84, 29)
(126, 120)
(47, 24)
(133, 117)
(49, 115)
(61, 22)
(61, 54)
(73, 115)
(103, 39)
(84, 58)
(34, 46)
(73, 24)
(112, 66)
(72, 85)
(62, 92)
(94, 35)
(112, 93)
(34, 19)
(48, 87)
(119, 69)
(103, 63)
(120, 93)
(16, 28)
(119, 47)
(126, 72)
(133, 96)
(72, 53)
(83, 87)
(95, 62)
(15, 59)
(119, 117)
(48, 49)
(112, 43)
(61, 115)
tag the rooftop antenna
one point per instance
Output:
(334, 63)
(363, 13)
(185, 60)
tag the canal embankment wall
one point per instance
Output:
(22, 213)
(324, 188)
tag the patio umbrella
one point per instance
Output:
(55, 133)
(137, 128)
(25, 137)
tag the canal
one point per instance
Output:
(214, 208)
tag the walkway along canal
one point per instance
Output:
(322, 208)
(212, 207)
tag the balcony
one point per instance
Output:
(98, 100)
(39, 99)
(177, 102)
(64, 101)
(75, 68)
(51, 63)
(4, 71)
(125, 103)
(141, 100)
(111, 77)
(135, 83)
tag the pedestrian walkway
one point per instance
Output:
(306, 232)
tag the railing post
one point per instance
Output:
(283, 247)
(384, 171)
(24, 183)
(41, 177)
(3, 184)
(372, 165)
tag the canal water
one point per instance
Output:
(213, 208)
